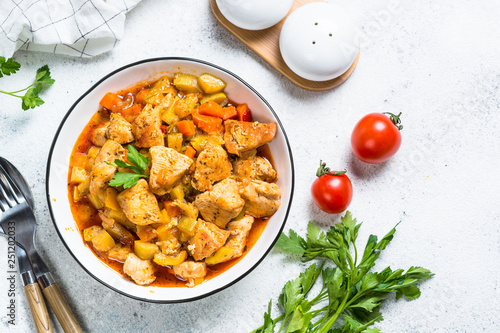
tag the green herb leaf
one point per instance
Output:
(291, 244)
(8, 66)
(291, 296)
(43, 76)
(300, 321)
(269, 324)
(30, 100)
(125, 179)
(138, 166)
(350, 289)
(137, 158)
(308, 278)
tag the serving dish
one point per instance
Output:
(79, 115)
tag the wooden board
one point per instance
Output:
(266, 44)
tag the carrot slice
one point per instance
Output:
(186, 127)
(211, 108)
(131, 111)
(229, 112)
(190, 152)
(139, 97)
(110, 100)
(172, 210)
(207, 123)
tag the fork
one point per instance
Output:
(15, 208)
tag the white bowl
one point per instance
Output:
(79, 115)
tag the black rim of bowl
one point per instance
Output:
(245, 273)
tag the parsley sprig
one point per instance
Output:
(138, 164)
(348, 289)
(31, 98)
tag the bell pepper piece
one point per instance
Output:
(244, 113)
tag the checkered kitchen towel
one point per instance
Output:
(80, 28)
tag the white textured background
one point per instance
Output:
(437, 62)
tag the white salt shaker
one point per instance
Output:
(318, 41)
(254, 14)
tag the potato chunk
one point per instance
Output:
(119, 252)
(187, 83)
(211, 84)
(145, 250)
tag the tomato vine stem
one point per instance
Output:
(395, 119)
(324, 170)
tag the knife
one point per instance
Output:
(25, 231)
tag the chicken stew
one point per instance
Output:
(171, 182)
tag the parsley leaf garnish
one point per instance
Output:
(138, 164)
(31, 97)
(8, 66)
(349, 290)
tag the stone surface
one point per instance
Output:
(437, 62)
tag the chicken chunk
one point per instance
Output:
(236, 242)
(99, 134)
(255, 168)
(241, 136)
(101, 171)
(207, 239)
(212, 165)
(190, 270)
(167, 168)
(119, 252)
(239, 232)
(261, 198)
(222, 203)
(119, 129)
(141, 271)
(147, 128)
(139, 204)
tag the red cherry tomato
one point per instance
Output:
(376, 137)
(331, 191)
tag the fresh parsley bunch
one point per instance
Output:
(138, 164)
(31, 98)
(348, 291)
